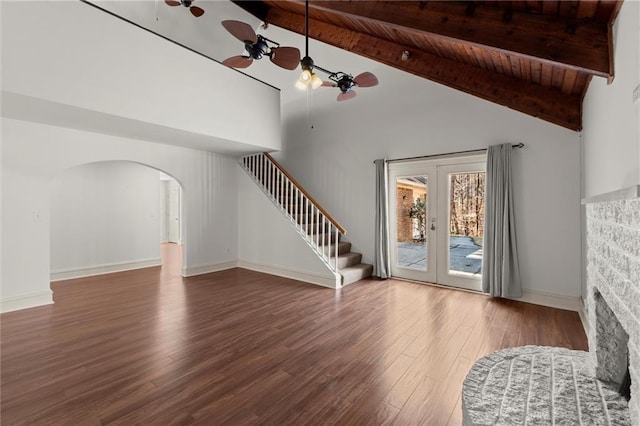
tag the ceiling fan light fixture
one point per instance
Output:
(304, 79)
(308, 77)
(315, 81)
(345, 82)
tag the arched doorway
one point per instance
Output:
(110, 216)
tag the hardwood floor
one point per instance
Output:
(240, 347)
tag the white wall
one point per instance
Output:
(73, 55)
(104, 216)
(407, 116)
(611, 120)
(34, 154)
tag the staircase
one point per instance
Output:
(315, 225)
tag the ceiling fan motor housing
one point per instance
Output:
(346, 84)
(257, 50)
(306, 63)
(186, 3)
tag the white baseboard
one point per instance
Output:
(26, 301)
(281, 271)
(190, 271)
(107, 268)
(552, 300)
(584, 316)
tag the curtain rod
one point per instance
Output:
(472, 151)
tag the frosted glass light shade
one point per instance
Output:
(315, 81)
(304, 80)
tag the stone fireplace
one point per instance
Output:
(613, 286)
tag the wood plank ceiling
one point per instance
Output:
(534, 56)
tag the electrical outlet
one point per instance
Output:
(636, 93)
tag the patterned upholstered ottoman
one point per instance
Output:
(537, 385)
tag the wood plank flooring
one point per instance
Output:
(240, 347)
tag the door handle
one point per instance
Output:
(433, 227)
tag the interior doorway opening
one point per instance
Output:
(171, 231)
(170, 210)
(108, 217)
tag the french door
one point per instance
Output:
(436, 217)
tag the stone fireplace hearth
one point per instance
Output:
(613, 286)
(545, 385)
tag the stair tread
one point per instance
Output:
(350, 254)
(359, 266)
(354, 273)
(341, 244)
(348, 259)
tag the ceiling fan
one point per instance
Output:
(195, 10)
(258, 46)
(345, 82)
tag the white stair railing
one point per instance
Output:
(317, 227)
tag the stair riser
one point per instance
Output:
(356, 275)
(310, 221)
(290, 200)
(299, 212)
(314, 228)
(282, 193)
(300, 208)
(343, 248)
(328, 239)
(291, 197)
(346, 261)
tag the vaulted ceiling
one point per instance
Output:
(533, 56)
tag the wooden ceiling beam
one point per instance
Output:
(545, 103)
(581, 45)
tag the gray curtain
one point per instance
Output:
(381, 262)
(500, 269)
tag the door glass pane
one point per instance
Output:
(411, 225)
(466, 223)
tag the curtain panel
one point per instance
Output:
(381, 262)
(500, 268)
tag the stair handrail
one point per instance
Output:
(301, 188)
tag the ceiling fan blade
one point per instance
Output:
(286, 57)
(366, 79)
(172, 2)
(238, 61)
(329, 84)
(346, 96)
(241, 31)
(196, 11)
